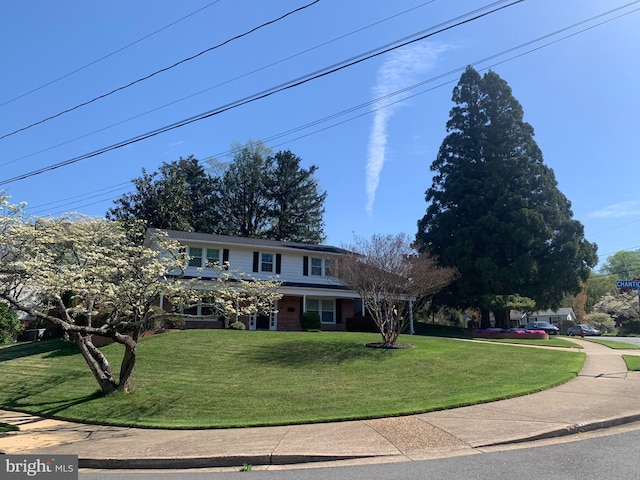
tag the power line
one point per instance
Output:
(226, 82)
(258, 96)
(441, 76)
(107, 56)
(157, 72)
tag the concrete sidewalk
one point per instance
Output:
(603, 395)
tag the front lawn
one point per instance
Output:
(216, 378)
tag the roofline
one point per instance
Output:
(248, 241)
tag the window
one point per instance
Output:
(266, 262)
(203, 257)
(195, 257)
(316, 266)
(205, 309)
(213, 257)
(324, 308)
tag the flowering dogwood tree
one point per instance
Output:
(65, 269)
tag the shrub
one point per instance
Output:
(310, 321)
(10, 325)
(173, 322)
(601, 321)
(238, 326)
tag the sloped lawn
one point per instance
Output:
(214, 378)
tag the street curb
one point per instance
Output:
(274, 459)
(211, 462)
(569, 430)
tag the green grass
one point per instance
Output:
(616, 345)
(552, 342)
(216, 378)
(5, 427)
(633, 362)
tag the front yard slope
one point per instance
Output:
(217, 379)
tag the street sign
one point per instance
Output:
(635, 284)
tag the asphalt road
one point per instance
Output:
(605, 455)
(633, 340)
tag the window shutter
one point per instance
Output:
(225, 258)
(255, 261)
(278, 263)
(305, 266)
(338, 310)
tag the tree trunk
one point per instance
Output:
(129, 361)
(485, 321)
(502, 318)
(98, 363)
(128, 364)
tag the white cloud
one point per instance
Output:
(398, 71)
(630, 208)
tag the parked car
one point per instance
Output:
(587, 329)
(546, 326)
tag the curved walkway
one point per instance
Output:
(603, 395)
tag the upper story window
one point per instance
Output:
(195, 257)
(317, 266)
(266, 262)
(203, 257)
(213, 257)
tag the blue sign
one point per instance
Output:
(635, 284)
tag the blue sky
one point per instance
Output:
(372, 144)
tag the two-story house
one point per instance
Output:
(302, 269)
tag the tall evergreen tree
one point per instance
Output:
(494, 208)
(297, 204)
(257, 195)
(178, 196)
(244, 200)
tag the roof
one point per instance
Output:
(249, 242)
(561, 311)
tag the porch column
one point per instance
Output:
(411, 331)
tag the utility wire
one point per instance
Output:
(226, 82)
(444, 75)
(107, 56)
(259, 96)
(162, 70)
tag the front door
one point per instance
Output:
(262, 322)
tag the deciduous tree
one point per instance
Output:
(391, 278)
(65, 269)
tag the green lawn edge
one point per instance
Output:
(6, 427)
(307, 370)
(633, 362)
(614, 344)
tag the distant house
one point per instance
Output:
(555, 317)
(303, 269)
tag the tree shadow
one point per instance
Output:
(54, 347)
(51, 409)
(317, 352)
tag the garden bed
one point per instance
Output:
(519, 334)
